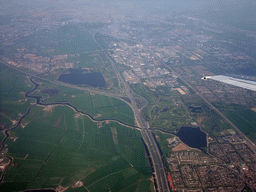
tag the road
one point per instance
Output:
(252, 145)
(146, 134)
(87, 89)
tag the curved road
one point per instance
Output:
(251, 144)
(162, 184)
(159, 171)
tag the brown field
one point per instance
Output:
(254, 109)
(48, 108)
(200, 119)
(114, 135)
(77, 115)
(114, 131)
(181, 147)
(180, 90)
(58, 121)
(78, 184)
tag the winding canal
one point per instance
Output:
(38, 102)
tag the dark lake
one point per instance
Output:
(94, 79)
(193, 137)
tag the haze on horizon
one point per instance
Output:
(237, 13)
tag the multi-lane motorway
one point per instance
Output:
(162, 184)
(159, 171)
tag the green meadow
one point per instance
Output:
(98, 106)
(245, 120)
(13, 85)
(56, 146)
(69, 147)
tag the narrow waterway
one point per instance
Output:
(38, 102)
(38, 98)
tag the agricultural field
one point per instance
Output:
(245, 120)
(164, 111)
(69, 147)
(169, 115)
(98, 106)
(162, 139)
(13, 86)
(55, 146)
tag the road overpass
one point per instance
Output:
(159, 171)
(155, 155)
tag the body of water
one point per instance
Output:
(94, 79)
(193, 137)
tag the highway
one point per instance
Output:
(86, 89)
(149, 140)
(252, 145)
(155, 155)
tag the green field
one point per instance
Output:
(68, 39)
(13, 86)
(163, 143)
(56, 146)
(168, 115)
(68, 148)
(163, 111)
(245, 120)
(98, 106)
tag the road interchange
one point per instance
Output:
(154, 151)
(155, 155)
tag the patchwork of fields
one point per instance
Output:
(55, 146)
(98, 106)
(69, 147)
(245, 120)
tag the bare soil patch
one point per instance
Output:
(254, 109)
(58, 121)
(114, 135)
(49, 108)
(180, 90)
(77, 115)
(61, 189)
(78, 184)
(181, 147)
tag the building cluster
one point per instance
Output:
(37, 63)
(191, 171)
(156, 56)
(228, 165)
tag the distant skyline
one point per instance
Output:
(238, 13)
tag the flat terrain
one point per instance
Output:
(55, 146)
(245, 120)
(181, 147)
